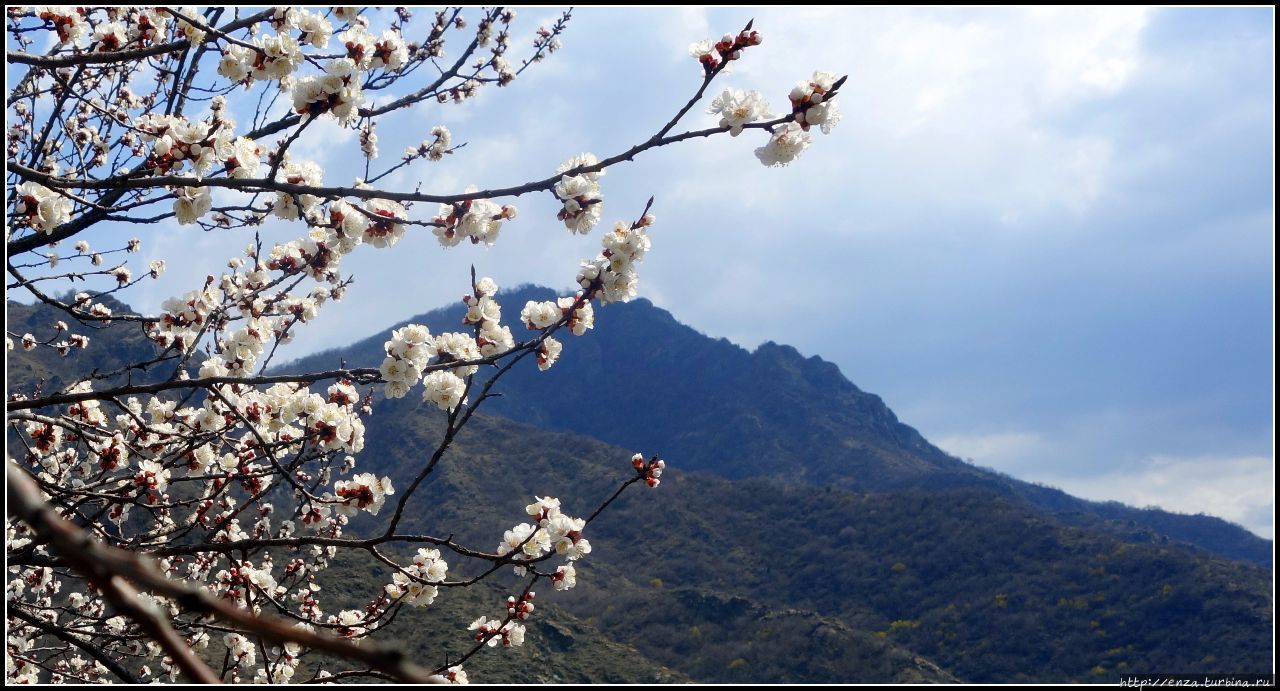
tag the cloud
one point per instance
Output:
(1000, 450)
(1044, 236)
(1240, 489)
(1237, 488)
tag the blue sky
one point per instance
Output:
(1043, 236)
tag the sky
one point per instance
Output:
(1043, 236)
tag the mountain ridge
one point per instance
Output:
(805, 422)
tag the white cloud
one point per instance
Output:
(1240, 489)
(961, 105)
(1004, 451)
(677, 28)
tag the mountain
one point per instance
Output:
(643, 380)
(685, 619)
(754, 580)
(561, 649)
(922, 568)
(110, 347)
(558, 648)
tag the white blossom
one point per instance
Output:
(565, 577)
(42, 208)
(384, 228)
(540, 315)
(786, 143)
(191, 203)
(445, 389)
(737, 108)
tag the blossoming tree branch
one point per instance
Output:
(195, 494)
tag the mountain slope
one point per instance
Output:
(110, 347)
(761, 580)
(559, 647)
(644, 380)
(705, 571)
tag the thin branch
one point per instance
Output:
(64, 635)
(110, 566)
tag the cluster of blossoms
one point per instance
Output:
(577, 312)
(288, 205)
(510, 634)
(46, 437)
(434, 149)
(554, 531)
(244, 581)
(650, 470)
(737, 107)
(190, 203)
(409, 352)
(412, 349)
(565, 577)
(580, 194)
(477, 220)
(445, 389)
(184, 318)
(241, 649)
(152, 479)
(278, 56)
(414, 581)
(613, 273)
(787, 142)
(240, 350)
(387, 51)
(68, 22)
(520, 607)
(729, 47)
(110, 36)
(485, 314)
(83, 303)
(363, 492)
(271, 57)
(810, 106)
(176, 142)
(192, 33)
(337, 92)
(454, 349)
(313, 28)
(127, 28)
(385, 226)
(40, 207)
(283, 662)
(369, 139)
(546, 41)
